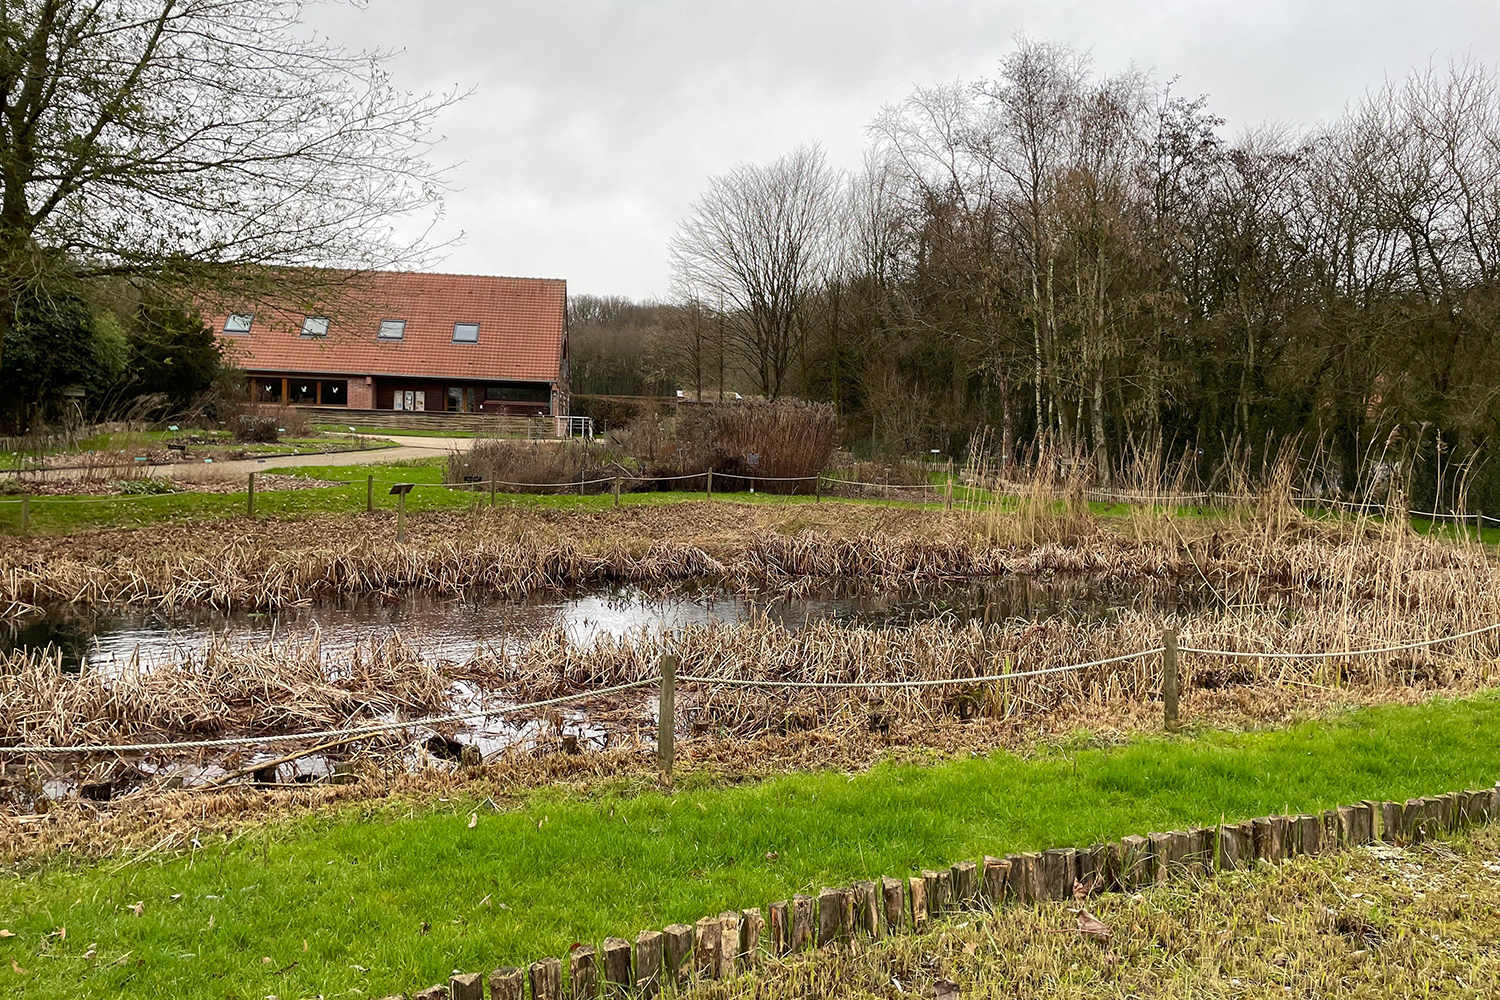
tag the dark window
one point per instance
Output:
(302, 392)
(315, 326)
(466, 333)
(533, 392)
(392, 329)
(239, 322)
(268, 390)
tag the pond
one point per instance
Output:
(452, 628)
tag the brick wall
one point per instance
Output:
(361, 393)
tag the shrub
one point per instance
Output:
(608, 414)
(543, 463)
(266, 422)
(786, 437)
(255, 427)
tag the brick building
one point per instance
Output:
(401, 340)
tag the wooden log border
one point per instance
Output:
(722, 945)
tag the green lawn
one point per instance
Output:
(63, 515)
(410, 892)
(58, 515)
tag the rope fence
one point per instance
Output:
(944, 492)
(668, 678)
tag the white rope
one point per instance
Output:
(324, 734)
(933, 682)
(769, 479)
(43, 498)
(884, 486)
(1420, 644)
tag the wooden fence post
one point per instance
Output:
(666, 716)
(250, 497)
(507, 983)
(401, 518)
(369, 492)
(1169, 681)
(583, 975)
(820, 489)
(26, 512)
(948, 494)
(710, 489)
(619, 978)
(648, 955)
(546, 979)
(677, 953)
(466, 986)
(617, 491)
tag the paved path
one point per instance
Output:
(406, 447)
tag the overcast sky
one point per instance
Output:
(593, 125)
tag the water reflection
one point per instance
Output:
(451, 628)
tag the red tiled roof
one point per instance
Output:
(522, 323)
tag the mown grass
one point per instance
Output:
(374, 899)
(65, 515)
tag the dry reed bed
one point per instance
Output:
(156, 820)
(235, 689)
(224, 689)
(720, 543)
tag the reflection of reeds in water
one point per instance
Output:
(1314, 592)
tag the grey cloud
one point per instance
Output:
(593, 124)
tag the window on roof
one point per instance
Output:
(239, 322)
(315, 326)
(466, 333)
(392, 329)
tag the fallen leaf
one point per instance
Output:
(265, 960)
(485, 901)
(1091, 926)
(304, 944)
(1081, 890)
(62, 933)
(425, 927)
(6, 933)
(138, 907)
(473, 820)
(946, 989)
(16, 968)
(772, 855)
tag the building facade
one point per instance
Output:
(402, 340)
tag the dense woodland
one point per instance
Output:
(1092, 264)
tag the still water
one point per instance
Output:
(452, 628)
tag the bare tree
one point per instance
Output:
(759, 240)
(198, 143)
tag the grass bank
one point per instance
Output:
(61, 515)
(1365, 923)
(372, 899)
